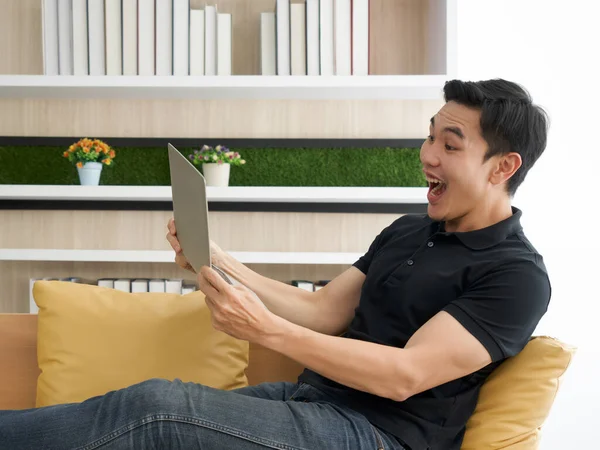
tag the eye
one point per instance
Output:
(448, 147)
(430, 138)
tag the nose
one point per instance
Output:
(429, 154)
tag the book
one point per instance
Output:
(146, 37)
(343, 37)
(164, 37)
(298, 38)
(360, 37)
(139, 285)
(312, 38)
(210, 40)
(197, 21)
(223, 44)
(114, 43)
(181, 37)
(33, 308)
(129, 21)
(326, 38)
(267, 44)
(123, 284)
(50, 36)
(80, 38)
(304, 284)
(65, 38)
(96, 50)
(282, 19)
(156, 285)
(106, 282)
(187, 288)
(173, 286)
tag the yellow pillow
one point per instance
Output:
(516, 398)
(92, 340)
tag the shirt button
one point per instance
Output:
(430, 244)
(410, 262)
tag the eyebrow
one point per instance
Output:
(457, 131)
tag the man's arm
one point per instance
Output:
(328, 310)
(440, 351)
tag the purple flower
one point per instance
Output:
(191, 156)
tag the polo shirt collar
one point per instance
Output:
(492, 235)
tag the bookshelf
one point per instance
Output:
(412, 53)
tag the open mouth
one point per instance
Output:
(436, 188)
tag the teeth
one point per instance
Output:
(433, 180)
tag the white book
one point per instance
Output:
(268, 46)
(360, 37)
(50, 36)
(123, 284)
(173, 286)
(114, 43)
(302, 284)
(197, 42)
(343, 37)
(298, 38)
(187, 288)
(156, 285)
(181, 37)
(282, 19)
(106, 282)
(210, 40)
(33, 308)
(139, 285)
(80, 38)
(164, 37)
(146, 37)
(327, 47)
(223, 44)
(130, 37)
(96, 37)
(65, 38)
(312, 38)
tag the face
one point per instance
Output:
(453, 162)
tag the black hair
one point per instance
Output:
(510, 122)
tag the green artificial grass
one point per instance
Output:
(389, 167)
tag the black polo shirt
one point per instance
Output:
(491, 280)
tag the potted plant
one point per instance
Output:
(216, 163)
(88, 155)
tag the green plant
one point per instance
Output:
(89, 150)
(219, 155)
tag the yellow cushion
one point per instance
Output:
(92, 340)
(516, 398)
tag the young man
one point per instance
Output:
(436, 304)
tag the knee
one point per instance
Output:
(160, 396)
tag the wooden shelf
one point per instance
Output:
(387, 195)
(167, 256)
(372, 87)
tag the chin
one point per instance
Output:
(435, 213)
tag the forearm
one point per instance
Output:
(289, 302)
(361, 365)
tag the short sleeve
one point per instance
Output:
(364, 261)
(503, 308)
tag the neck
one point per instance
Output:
(483, 216)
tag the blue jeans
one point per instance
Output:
(160, 414)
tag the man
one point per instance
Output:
(436, 304)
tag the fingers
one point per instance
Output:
(171, 226)
(206, 286)
(216, 281)
(174, 242)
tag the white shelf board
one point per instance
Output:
(386, 195)
(369, 87)
(167, 256)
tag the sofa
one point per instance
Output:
(513, 404)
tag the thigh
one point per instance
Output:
(159, 414)
(269, 391)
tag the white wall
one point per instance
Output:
(551, 48)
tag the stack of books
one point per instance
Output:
(134, 37)
(315, 37)
(311, 286)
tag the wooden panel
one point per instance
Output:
(19, 370)
(18, 361)
(397, 37)
(146, 230)
(21, 37)
(218, 118)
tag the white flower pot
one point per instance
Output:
(216, 174)
(89, 174)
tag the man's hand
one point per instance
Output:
(236, 310)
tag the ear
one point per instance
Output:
(505, 167)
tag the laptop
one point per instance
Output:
(190, 211)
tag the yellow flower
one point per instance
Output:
(112, 154)
(80, 164)
(107, 162)
(86, 150)
(66, 154)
